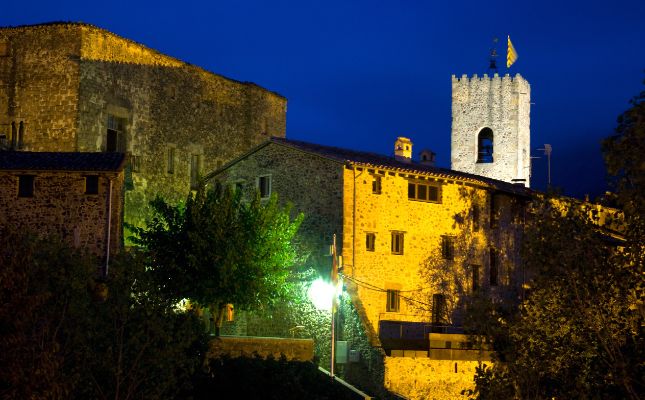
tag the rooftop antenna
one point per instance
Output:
(492, 65)
(547, 152)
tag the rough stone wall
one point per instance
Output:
(313, 185)
(39, 79)
(503, 105)
(427, 379)
(291, 349)
(60, 208)
(67, 78)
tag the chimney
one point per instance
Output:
(403, 149)
(427, 157)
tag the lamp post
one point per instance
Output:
(334, 305)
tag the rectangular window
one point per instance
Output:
(439, 309)
(370, 241)
(135, 163)
(195, 161)
(397, 242)
(448, 248)
(264, 186)
(376, 185)
(92, 184)
(26, 185)
(170, 162)
(424, 192)
(474, 277)
(475, 218)
(494, 267)
(115, 139)
(393, 301)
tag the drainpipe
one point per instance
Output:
(109, 228)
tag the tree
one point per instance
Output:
(580, 333)
(219, 249)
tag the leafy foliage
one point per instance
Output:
(219, 249)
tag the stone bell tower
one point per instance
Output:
(491, 127)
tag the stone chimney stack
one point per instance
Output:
(427, 157)
(403, 149)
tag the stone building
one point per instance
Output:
(491, 127)
(416, 241)
(76, 197)
(72, 87)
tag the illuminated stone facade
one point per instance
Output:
(371, 202)
(499, 106)
(71, 196)
(74, 87)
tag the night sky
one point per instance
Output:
(359, 73)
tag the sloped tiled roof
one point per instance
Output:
(59, 161)
(378, 160)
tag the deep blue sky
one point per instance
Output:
(359, 73)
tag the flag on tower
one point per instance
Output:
(511, 55)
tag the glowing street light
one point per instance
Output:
(321, 294)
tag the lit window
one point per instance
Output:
(264, 186)
(25, 186)
(424, 192)
(397, 242)
(447, 248)
(393, 301)
(92, 184)
(494, 267)
(376, 185)
(370, 241)
(195, 161)
(485, 146)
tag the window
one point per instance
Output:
(238, 187)
(115, 139)
(170, 161)
(376, 185)
(448, 248)
(474, 277)
(264, 186)
(476, 217)
(370, 241)
(195, 161)
(397, 242)
(14, 136)
(135, 163)
(485, 146)
(424, 192)
(25, 186)
(439, 309)
(494, 267)
(92, 184)
(393, 300)
(21, 135)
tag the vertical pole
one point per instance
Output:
(334, 282)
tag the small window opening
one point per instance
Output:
(494, 267)
(397, 243)
(376, 185)
(21, 135)
(115, 138)
(14, 136)
(171, 160)
(370, 241)
(393, 300)
(439, 310)
(26, 186)
(195, 161)
(474, 277)
(92, 184)
(448, 248)
(485, 146)
(264, 186)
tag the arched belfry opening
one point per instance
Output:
(485, 146)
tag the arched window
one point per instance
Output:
(485, 146)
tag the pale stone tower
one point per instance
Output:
(491, 127)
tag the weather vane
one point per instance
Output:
(492, 66)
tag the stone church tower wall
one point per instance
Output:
(501, 104)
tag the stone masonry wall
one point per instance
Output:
(66, 79)
(503, 105)
(39, 79)
(61, 208)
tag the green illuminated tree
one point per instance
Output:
(220, 249)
